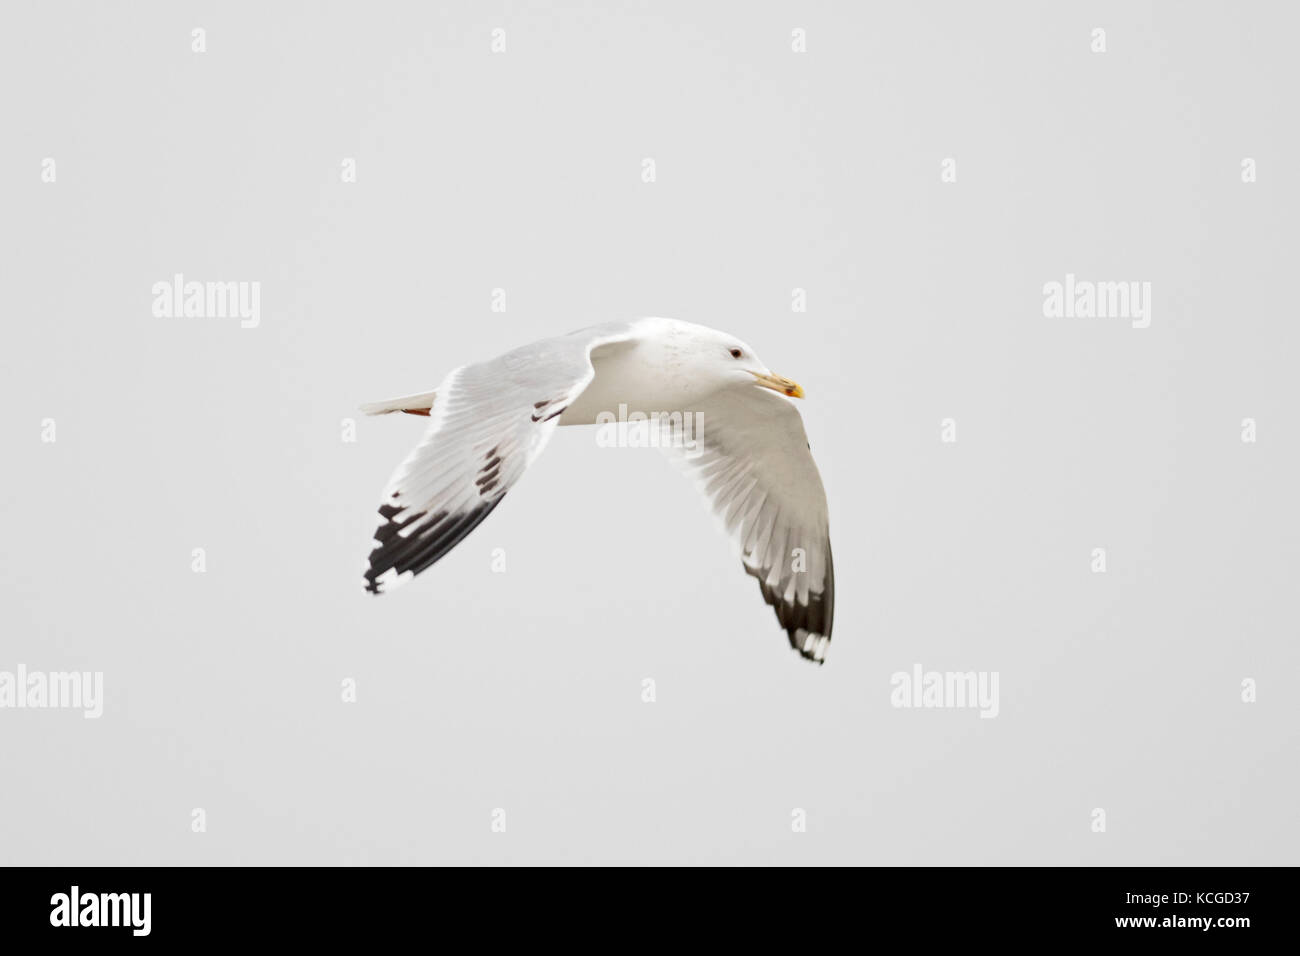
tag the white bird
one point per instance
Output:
(490, 420)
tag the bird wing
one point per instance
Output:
(748, 451)
(487, 424)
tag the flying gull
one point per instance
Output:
(750, 456)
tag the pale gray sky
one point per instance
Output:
(775, 170)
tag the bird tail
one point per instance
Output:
(419, 404)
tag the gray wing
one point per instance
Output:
(487, 423)
(752, 461)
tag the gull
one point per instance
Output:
(749, 454)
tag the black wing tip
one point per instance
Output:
(395, 554)
(809, 645)
(807, 626)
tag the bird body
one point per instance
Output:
(488, 421)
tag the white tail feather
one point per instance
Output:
(420, 402)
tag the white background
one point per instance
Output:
(775, 170)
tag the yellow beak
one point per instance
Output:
(778, 384)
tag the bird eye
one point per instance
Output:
(736, 353)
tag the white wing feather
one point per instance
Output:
(752, 461)
(487, 424)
